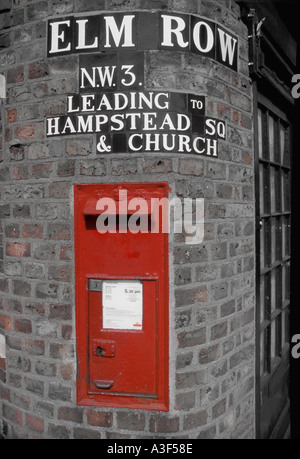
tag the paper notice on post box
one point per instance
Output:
(122, 305)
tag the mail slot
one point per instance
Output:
(121, 278)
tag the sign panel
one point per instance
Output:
(111, 71)
(112, 101)
(122, 305)
(142, 31)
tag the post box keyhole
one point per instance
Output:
(100, 351)
(103, 348)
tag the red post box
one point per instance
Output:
(121, 277)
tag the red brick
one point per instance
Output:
(38, 70)
(185, 400)
(99, 419)
(61, 351)
(60, 311)
(34, 347)
(191, 296)
(70, 414)
(191, 167)
(42, 170)
(235, 117)
(59, 231)
(157, 165)
(4, 393)
(190, 379)
(2, 364)
(161, 423)
(20, 172)
(5, 322)
(210, 108)
(12, 414)
(247, 158)
(34, 230)
(15, 75)
(78, 147)
(194, 420)
(219, 408)
(66, 331)
(12, 115)
(59, 190)
(219, 330)
(4, 285)
(246, 121)
(23, 325)
(60, 273)
(34, 423)
(130, 421)
(223, 110)
(17, 152)
(18, 249)
(22, 401)
(33, 308)
(86, 434)
(26, 132)
(67, 371)
(209, 354)
(192, 338)
(66, 252)
(21, 288)
(12, 230)
(13, 305)
(8, 134)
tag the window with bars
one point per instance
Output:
(274, 162)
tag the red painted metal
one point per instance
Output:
(116, 367)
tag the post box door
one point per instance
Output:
(123, 360)
(121, 304)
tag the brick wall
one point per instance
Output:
(211, 284)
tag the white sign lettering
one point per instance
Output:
(124, 31)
